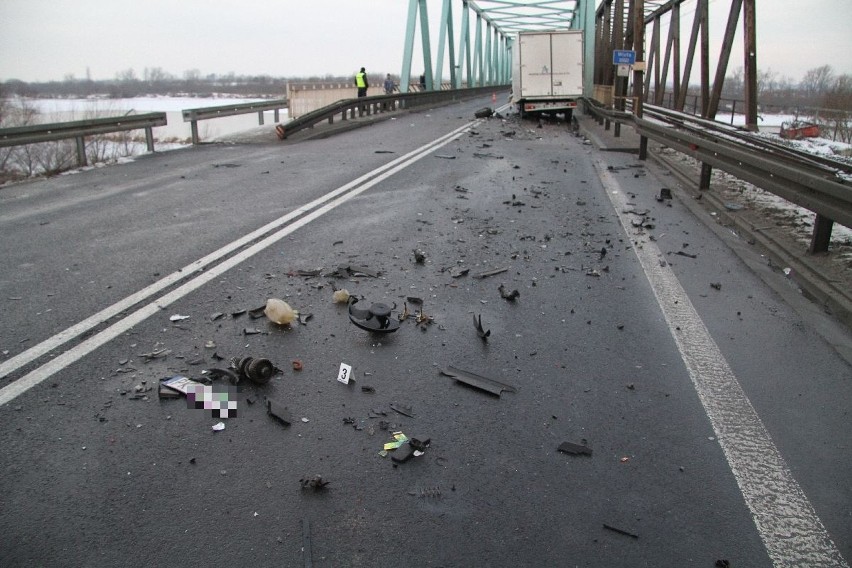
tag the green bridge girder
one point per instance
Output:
(498, 21)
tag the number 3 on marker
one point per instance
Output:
(344, 373)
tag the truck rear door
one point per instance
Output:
(567, 58)
(536, 65)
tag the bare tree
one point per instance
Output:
(126, 76)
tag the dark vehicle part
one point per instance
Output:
(377, 318)
(477, 381)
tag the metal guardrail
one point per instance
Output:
(79, 129)
(193, 115)
(813, 183)
(348, 108)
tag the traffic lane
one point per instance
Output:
(503, 487)
(82, 242)
(796, 381)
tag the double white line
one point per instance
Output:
(279, 229)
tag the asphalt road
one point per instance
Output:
(96, 471)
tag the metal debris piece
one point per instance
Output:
(477, 381)
(490, 273)
(258, 371)
(167, 393)
(460, 273)
(309, 273)
(237, 313)
(506, 295)
(228, 374)
(477, 323)
(487, 155)
(257, 313)
(620, 531)
(376, 318)
(304, 318)
(219, 427)
(574, 449)
(178, 317)
(155, 354)
(315, 482)
(350, 270)
(251, 331)
(279, 412)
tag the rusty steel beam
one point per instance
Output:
(750, 48)
(690, 57)
(724, 57)
(638, 9)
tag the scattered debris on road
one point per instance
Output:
(575, 449)
(377, 318)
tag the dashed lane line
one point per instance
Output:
(785, 519)
(299, 217)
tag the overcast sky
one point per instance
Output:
(43, 40)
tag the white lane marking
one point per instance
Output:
(786, 521)
(18, 387)
(25, 357)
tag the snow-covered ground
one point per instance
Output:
(176, 131)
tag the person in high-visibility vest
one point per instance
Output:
(361, 82)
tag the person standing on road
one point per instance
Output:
(388, 85)
(361, 82)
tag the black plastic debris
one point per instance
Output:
(686, 254)
(490, 273)
(258, 371)
(445, 157)
(722, 564)
(316, 482)
(716, 285)
(257, 313)
(351, 270)
(278, 412)
(483, 112)
(506, 295)
(620, 531)
(228, 374)
(251, 331)
(477, 323)
(419, 256)
(414, 448)
(402, 409)
(665, 193)
(384, 152)
(368, 389)
(574, 449)
(460, 273)
(477, 381)
(377, 318)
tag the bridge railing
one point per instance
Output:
(80, 129)
(348, 108)
(193, 115)
(815, 183)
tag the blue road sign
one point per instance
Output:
(623, 57)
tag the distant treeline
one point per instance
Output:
(155, 81)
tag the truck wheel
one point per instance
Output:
(568, 115)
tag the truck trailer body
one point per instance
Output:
(547, 73)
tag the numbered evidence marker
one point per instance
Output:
(344, 373)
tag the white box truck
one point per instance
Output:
(547, 71)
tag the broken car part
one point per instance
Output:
(376, 318)
(278, 412)
(258, 371)
(477, 323)
(506, 295)
(315, 482)
(574, 449)
(477, 381)
(620, 531)
(483, 112)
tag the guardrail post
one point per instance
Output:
(704, 180)
(81, 151)
(275, 116)
(822, 234)
(149, 138)
(194, 127)
(260, 117)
